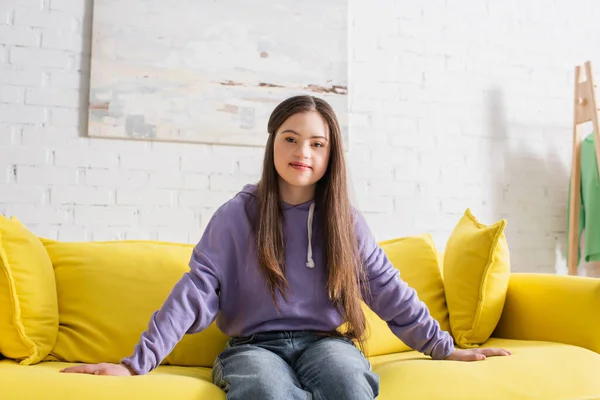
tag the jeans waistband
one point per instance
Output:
(275, 335)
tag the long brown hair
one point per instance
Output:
(346, 273)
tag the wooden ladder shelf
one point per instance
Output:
(585, 110)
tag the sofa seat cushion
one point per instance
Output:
(535, 370)
(44, 381)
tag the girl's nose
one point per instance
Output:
(303, 151)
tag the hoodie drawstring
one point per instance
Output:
(310, 263)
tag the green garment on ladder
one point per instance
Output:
(589, 211)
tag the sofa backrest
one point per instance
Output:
(107, 292)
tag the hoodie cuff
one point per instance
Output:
(130, 368)
(134, 369)
(444, 349)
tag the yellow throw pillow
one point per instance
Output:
(28, 306)
(107, 292)
(476, 274)
(416, 258)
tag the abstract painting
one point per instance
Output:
(212, 71)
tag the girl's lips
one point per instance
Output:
(300, 166)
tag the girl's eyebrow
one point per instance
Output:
(296, 133)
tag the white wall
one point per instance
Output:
(453, 105)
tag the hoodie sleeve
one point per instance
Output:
(192, 304)
(397, 303)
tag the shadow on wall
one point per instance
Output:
(529, 189)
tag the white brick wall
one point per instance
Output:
(453, 105)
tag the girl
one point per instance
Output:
(281, 266)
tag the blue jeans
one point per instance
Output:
(293, 366)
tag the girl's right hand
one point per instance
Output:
(100, 369)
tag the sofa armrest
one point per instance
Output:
(556, 308)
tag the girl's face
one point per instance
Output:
(301, 150)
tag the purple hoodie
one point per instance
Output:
(225, 282)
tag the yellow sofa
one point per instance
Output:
(89, 302)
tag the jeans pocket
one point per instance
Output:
(217, 375)
(347, 340)
(240, 340)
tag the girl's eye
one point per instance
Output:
(289, 139)
(318, 144)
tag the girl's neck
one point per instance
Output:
(295, 195)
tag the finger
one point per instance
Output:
(90, 369)
(490, 352)
(472, 356)
(76, 369)
(103, 371)
(500, 352)
(84, 369)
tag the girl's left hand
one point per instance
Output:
(476, 354)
